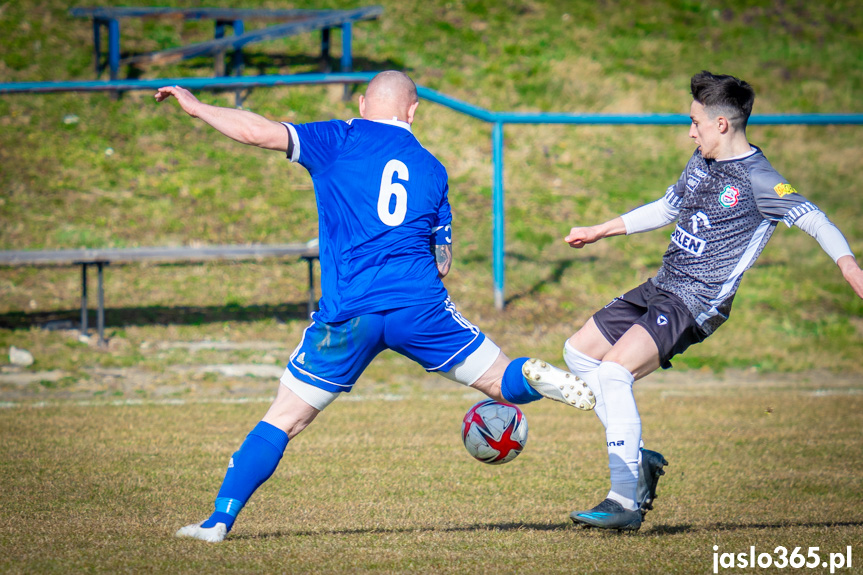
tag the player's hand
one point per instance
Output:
(580, 237)
(187, 101)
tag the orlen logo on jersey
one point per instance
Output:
(729, 196)
(686, 241)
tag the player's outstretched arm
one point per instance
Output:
(581, 236)
(834, 244)
(240, 125)
(852, 273)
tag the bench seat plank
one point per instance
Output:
(157, 254)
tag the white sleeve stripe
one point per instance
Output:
(293, 135)
(798, 211)
(673, 198)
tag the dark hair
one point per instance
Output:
(724, 95)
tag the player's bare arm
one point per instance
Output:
(240, 125)
(581, 236)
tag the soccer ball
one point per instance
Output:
(494, 432)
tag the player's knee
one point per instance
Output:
(296, 405)
(482, 369)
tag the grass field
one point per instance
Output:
(384, 486)
(109, 450)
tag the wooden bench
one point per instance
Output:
(157, 255)
(292, 22)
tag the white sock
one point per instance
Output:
(585, 367)
(623, 432)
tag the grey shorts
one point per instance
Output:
(664, 315)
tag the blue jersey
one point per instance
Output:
(380, 197)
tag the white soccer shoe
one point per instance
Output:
(558, 384)
(214, 534)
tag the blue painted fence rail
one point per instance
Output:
(497, 119)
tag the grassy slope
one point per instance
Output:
(129, 172)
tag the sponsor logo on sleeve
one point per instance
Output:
(695, 178)
(784, 189)
(687, 242)
(729, 196)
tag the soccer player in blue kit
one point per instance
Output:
(727, 204)
(384, 227)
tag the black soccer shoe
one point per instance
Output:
(649, 472)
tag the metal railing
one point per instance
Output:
(496, 119)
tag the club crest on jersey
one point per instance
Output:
(784, 189)
(729, 196)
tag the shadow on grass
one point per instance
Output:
(155, 315)
(555, 272)
(652, 530)
(375, 531)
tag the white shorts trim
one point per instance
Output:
(314, 396)
(474, 365)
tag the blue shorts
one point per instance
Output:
(332, 356)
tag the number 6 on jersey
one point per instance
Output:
(390, 188)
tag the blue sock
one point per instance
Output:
(250, 466)
(514, 387)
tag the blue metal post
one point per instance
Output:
(114, 47)
(347, 58)
(239, 30)
(498, 213)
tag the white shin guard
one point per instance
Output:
(585, 367)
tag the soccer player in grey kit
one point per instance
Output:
(727, 204)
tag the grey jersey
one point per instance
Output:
(728, 211)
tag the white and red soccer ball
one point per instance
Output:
(494, 432)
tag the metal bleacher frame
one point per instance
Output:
(156, 255)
